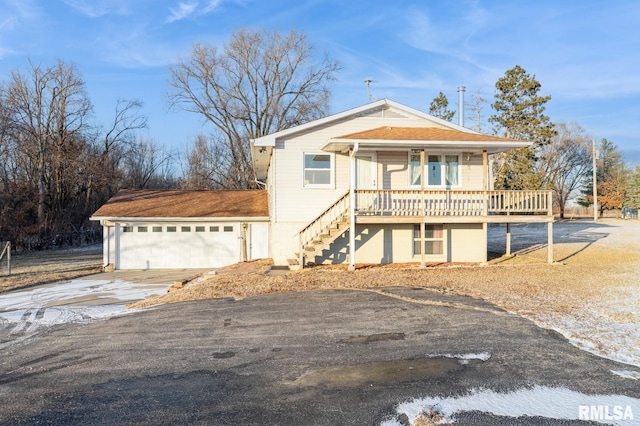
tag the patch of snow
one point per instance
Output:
(539, 401)
(607, 327)
(75, 301)
(627, 374)
(482, 356)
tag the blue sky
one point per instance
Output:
(584, 53)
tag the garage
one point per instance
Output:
(183, 229)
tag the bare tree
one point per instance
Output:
(109, 149)
(259, 83)
(49, 109)
(566, 162)
(147, 166)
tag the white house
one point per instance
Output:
(183, 229)
(381, 183)
(385, 183)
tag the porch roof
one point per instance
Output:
(423, 137)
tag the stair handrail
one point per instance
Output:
(333, 212)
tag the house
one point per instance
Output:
(380, 183)
(385, 183)
(183, 229)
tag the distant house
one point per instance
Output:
(183, 229)
(381, 183)
(385, 183)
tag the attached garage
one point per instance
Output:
(183, 229)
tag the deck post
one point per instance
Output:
(352, 208)
(423, 210)
(550, 242)
(508, 238)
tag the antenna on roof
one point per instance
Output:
(367, 82)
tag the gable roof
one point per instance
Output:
(184, 204)
(270, 140)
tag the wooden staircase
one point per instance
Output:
(321, 232)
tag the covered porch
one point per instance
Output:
(448, 203)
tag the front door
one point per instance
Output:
(366, 170)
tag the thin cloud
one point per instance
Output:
(96, 9)
(14, 12)
(183, 11)
(211, 6)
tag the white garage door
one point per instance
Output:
(178, 245)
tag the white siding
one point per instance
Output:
(297, 204)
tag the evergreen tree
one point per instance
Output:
(438, 107)
(520, 115)
(632, 198)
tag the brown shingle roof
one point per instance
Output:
(163, 203)
(422, 134)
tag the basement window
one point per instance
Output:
(433, 242)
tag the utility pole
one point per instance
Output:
(595, 183)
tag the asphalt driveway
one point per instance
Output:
(322, 358)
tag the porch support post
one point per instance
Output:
(550, 242)
(352, 208)
(423, 208)
(508, 238)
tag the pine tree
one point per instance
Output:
(632, 198)
(438, 107)
(520, 115)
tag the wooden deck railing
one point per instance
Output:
(451, 202)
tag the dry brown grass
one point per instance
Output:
(519, 284)
(41, 267)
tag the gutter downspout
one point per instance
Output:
(352, 207)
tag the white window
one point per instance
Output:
(317, 170)
(433, 241)
(440, 170)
